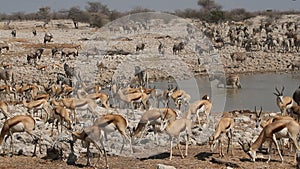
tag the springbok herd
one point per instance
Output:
(67, 99)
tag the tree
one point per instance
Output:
(209, 5)
(97, 7)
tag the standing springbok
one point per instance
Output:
(19, 123)
(296, 96)
(200, 106)
(225, 126)
(92, 134)
(102, 98)
(74, 104)
(153, 117)
(174, 128)
(284, 103)
(268, 134)
(37, 105)
(180, 97)
(112, 122)
(60, 114)
(132, 98)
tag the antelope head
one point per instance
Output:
(258, 117)
(279, 94)
(246, 148)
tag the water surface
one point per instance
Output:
(257, 90)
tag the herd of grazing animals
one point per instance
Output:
(55, 101)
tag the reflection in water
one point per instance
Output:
(257, 90)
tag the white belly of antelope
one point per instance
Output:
(18, 128)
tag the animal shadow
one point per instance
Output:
(163, 155)
(203, 156)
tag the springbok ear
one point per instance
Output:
(275, 94)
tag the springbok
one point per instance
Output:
(132, 98)
(283, 102)
(60, 114)
(91, 134)
(19, 123)
(180, 97)
(153, 117)
(268, 134)
(111, 122)
(225, 126)
(37, 105)
(74, 104)
(102, 98)
(174, 128)
(200, 106)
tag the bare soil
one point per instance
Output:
(199, 157)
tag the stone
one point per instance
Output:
(162, 166)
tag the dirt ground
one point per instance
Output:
(199, 157)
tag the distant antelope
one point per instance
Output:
(178, 47)
(228, 80)
(48, 37)
(140, 46)
(4, 46)
(161, 48)
(283, 102)
(14, 33)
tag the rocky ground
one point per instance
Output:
(100, 68)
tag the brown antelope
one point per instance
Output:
(199, 106)
(60, 114)
(282, 134)
(102, 98)
(153, 118)
(78, 104)
(26, 89)
(37, 105)
(19, 123)
(283, 102)
(179, 97)
(269, 134)
(225, 126)
(132, 98)
(4, 109)
(174, 128)
(111, 122)
(92, 134)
